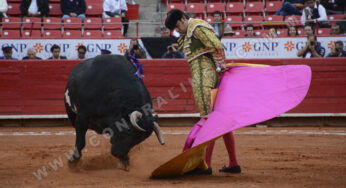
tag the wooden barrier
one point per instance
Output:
(37, 87)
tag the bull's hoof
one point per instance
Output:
(73, 160)
(124, 165)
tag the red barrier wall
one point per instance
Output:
(31, 87)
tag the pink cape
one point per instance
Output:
(249, 95)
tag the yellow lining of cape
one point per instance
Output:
(246, 64)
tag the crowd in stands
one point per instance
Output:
(266, 15)
(63, 18)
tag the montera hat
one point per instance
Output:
(172, 18)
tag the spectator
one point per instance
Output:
(334, 6)
(338, 51)
(81, 52)
(135, 50)
(272, 33)
(165, 32)
(249, 31)
(173, 52)
(105, 52)
(116, 8)
(335, 30)
(308, 30)
(228, 32)
(34, 8)
(217, 23)
(342, 24)
(31, 54)
(55, 49)
(312, 48)
(291, 7)
(313, 12)
(73, 9)
(3, 8)
(292, 31)
(7, 51)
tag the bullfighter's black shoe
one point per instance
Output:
(234, 169)
(209, 171)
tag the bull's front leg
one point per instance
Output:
(81, 129)
(123, 162)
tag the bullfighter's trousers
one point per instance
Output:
(204, 79)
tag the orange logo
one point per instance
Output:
(289, 46)
(38, 47)
(122, 48)
(331, 44)
(247, 47)
(78, 45)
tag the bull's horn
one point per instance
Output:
(133, 118)
(159, 133)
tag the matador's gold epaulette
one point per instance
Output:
(180, 42)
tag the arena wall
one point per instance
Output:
(37, 88)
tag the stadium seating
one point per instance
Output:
(72, 34)
(234, 8)
(32, 23)
(13, 9)
(272, 6)
(332, 18)
(94, 9)
(112, 23)
(261, 33)
(10, 34)
(254, 8)
(179, 6)
(323, 32)
(111, 34)
(274, 21)
(55, 10)
(257, 19)
(33, 34)
(234, 21)
(93, 23)
(52, 34)
(72, 23)
(51, 23)
(209, 19)
(293, 20)
(282, 32)
(239, 33)
(11, 23)
(88, 2)
(212, 7)
(92, 34)
(197, 8)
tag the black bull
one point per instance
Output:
(105, 95)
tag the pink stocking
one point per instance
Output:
(209, 153)
(230, 146)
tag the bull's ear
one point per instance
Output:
(155, 117)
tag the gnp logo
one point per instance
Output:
(38, 47)
(122, 47)
(331, 45)
(78, 45)
(247, 47)
(289, 46)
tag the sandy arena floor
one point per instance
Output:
(269, 157)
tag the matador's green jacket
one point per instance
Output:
(204, 52)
